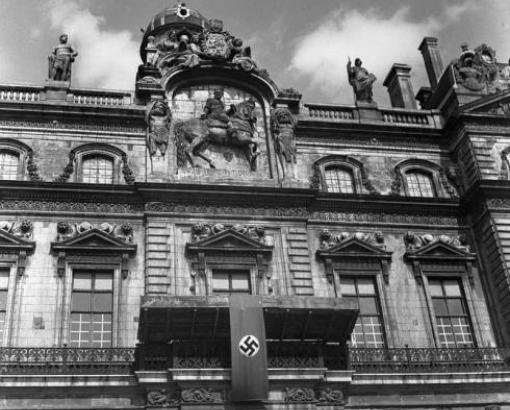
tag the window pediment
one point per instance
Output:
(15, 239)
(101, 241)
(229, 240)
(354, 247)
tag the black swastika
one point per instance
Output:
(249, 346)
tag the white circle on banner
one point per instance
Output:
(249, 345)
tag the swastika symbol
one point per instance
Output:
(249, 346)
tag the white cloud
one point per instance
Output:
(321, 56)
(107, 58)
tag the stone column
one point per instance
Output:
(432, 58)
(400, 88)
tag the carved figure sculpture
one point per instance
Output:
(241, 56)
(235, 127)
(152, 52)
(361, 81)
(61, 59)
(283, 125)
(158, 118)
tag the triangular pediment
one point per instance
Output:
(93, 239)
(356, 247)
(494, 104)
(439, 250)
(10, 241)
(229, 240)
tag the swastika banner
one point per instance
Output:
(248, 347)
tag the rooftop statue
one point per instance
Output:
(361, 81)
(233, 127)
(61, 59)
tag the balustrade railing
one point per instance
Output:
(65, 360)
(406, 117)
(325, 112)
(101, 99)
(419, 360)
(19, 93)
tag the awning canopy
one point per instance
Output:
(165, 319)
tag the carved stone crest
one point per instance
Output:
(329, 395)
(160, 398)
(216, 42)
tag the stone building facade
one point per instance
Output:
(373, 241)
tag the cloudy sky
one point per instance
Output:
(304, 44)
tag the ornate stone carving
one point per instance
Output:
(158, 118)
(21, 229)
(68, 170)
(329, 395)
(329, 240)
(361, 81)
(299, 394)
(126, 171)
(283, 124)
(160, 398)
(201, 231)
(66, 230)
(234, 127)
(385, 218)
(478, 70)
(61, 59)
(415, 241)
(200, 395)
(33, 172)
(53, 206)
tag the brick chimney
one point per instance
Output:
(400, 89)
(432, 59)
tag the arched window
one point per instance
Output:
(420, 184)
(9, 165)
(339, 179)
(97, 169)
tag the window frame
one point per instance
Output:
(379, 301)
(361, 183)
(19, 166)
(10, 306)
(342, 168)
(79, 154)
(92, 265)
(229, 272)
(25, 155)
(97, 156)
(419, 171)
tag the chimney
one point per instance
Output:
(432, 59)
(400, 89)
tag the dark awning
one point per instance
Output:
(164, 319)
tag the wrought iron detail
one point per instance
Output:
(418, 360)
(66, 360)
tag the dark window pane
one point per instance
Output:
(339, 180)
(81, 302)
(103, 302)
(455, 307)
(368, 306)
(440, 307)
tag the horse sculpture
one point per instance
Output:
(193, 136)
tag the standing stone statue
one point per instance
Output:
(158, 118)
(361, 81)
(61, 59)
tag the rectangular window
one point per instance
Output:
(4, 285)
(452, 317)
(226, 282)
(369, 330)
(92, 309)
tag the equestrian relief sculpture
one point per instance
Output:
(232, 127)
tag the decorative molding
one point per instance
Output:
(33, 172)
(328, 395)
(385, 218)
(60, 206)
(102, 241)
(357, 245)
(200, 395)
(415, 241)
(329, 240)
(161, 398)
(498, 203)
(15, 239)
(201, 231)
(79, 126)
(66, 230)
(438, 249)
(299, 395)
